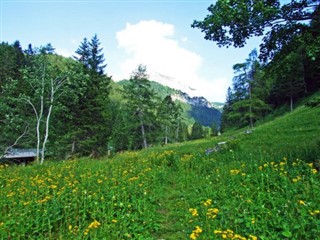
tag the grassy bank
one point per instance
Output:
(261, 185)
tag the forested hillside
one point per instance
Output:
(194, 109)
(284, 70)
(70, 107)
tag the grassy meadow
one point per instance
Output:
(262, 185)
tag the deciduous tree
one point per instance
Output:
(233, 22)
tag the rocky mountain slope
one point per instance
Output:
(195, 109)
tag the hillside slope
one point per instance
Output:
(261, 185)
(195, 109)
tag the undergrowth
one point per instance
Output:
(263, 185)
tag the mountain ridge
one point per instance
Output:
(195, 109)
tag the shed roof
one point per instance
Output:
(21, 153)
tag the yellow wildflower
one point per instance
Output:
(94, 224)
(301, 202)
(193, 236)
(212, 212)
(253, 237)
(47, 198)
(298, 178)
(114, 220)
(194, 212)
(314, 171)
(208, 202)
(234, 171)
(196, 233)
(314, 212)
(198, 230)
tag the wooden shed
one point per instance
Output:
(20, 155)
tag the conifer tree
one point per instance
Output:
(141, 102)
(168, 114)
(84, 53)
(93, 132)
(197, 131)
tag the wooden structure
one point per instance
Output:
(19, 155)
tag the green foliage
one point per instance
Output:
(313, 103)
(141, 103)
(189, 113)
(169, 116)
(197, 131)
(90, 118)
(245, 102)
(11, 60)
(264, 186)
(233, 22)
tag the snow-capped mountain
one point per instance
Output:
(173, 83)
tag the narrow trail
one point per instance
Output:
(171, 211)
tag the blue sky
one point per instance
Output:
(154, 33)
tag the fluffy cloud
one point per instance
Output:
(153, 44)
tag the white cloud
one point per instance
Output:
(153, 44)
(64, 52)
(184, 39)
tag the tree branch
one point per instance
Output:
(16, 142)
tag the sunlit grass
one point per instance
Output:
(261, 186)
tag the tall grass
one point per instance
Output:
(260, 186)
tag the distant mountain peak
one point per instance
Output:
(194, 101)
(172, 83)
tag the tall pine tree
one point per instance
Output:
(93, 132)
(141, 102)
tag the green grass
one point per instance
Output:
(260, 186)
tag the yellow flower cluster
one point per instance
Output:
(296, 179)
(275, 167)
(74, 229)
(314, 171)
(194, 212)
(212, 212)
(186, 157)
(229, 234)
(208, 202)
(234, 171)
(94, 224)
(196, 233)
(315, 212)
(133, 179)
(45, 199)
(3, 166)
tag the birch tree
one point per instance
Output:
(44, 86)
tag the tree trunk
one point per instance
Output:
(73, 147)
(177, 132)
(47, 129)
(145, 144)
(166, 136)
(250, 108)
